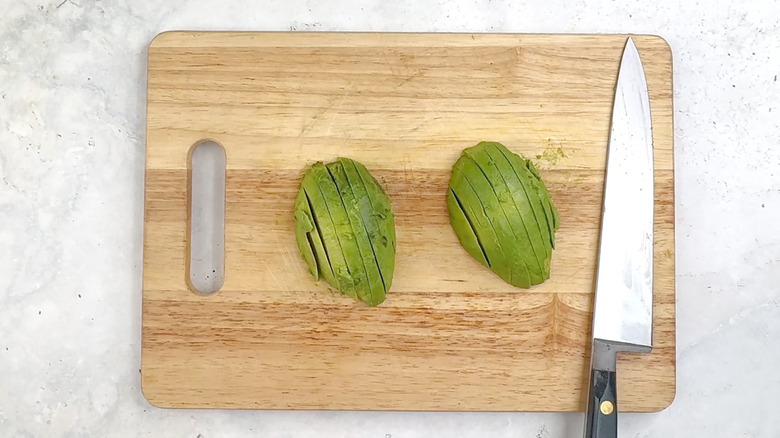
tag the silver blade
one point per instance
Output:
(623, 311)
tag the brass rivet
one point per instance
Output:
(607, 407)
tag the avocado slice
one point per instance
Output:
(496, 257)
(525, 203)
(367, 215)
(380, 223)
(344, 233)
(304, 226)
(370, 289)
(545, 194)
(518, 242)
(530, 177)
(466, 233)
(307, 233)
(329, 212)
(519, 272)
(522, 175)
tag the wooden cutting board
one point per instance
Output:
(451, 335)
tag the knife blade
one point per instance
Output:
(623, 307)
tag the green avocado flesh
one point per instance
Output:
(502, 213)
(345, 229)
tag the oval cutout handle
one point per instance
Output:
(207, 217)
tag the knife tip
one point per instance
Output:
(631, 55)
(630, 44)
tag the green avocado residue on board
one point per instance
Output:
(552, 154)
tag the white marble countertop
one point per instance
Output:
(72, 90)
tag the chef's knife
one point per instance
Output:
(623, 309)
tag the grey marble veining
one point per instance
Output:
(72, 90)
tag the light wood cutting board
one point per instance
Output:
(451, 335)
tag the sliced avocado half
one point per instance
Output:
(502, 213)
(345, 229)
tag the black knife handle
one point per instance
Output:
(601, 415)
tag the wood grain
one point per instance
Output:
(451, 335)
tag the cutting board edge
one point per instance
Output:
(157, 400)
(160, 39)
